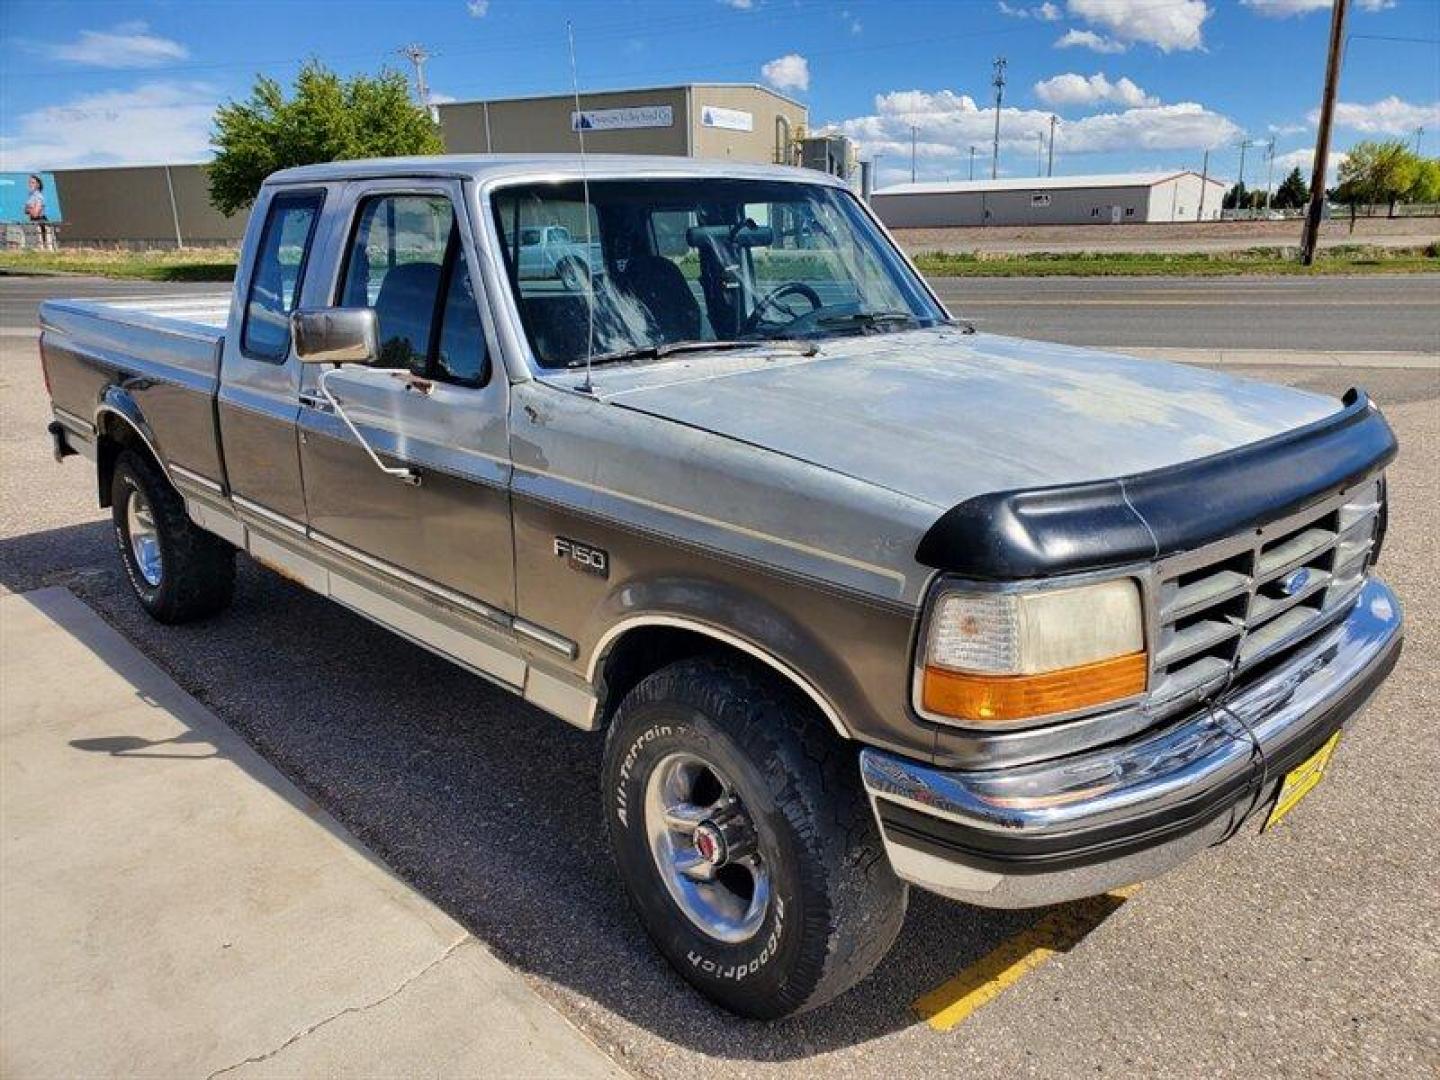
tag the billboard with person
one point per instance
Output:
(28, 199)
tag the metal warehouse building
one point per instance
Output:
(1052, 200)
(740, 121)
(150, 205)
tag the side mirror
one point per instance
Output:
(336, 335)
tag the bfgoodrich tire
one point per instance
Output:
(179, 572)
(744, 841)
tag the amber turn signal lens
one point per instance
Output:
(994, 699)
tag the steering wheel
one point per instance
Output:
(772, 300)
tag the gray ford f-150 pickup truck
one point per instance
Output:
(861, 597)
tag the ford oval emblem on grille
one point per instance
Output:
(1293, 583)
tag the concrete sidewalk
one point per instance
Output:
(171, 906)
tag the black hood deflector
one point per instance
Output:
(1013, 535)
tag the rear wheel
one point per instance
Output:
(179, 572)
(744, 841)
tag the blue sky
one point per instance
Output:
(1137, 84)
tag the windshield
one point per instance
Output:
(700, 260)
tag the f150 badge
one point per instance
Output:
(583, 557)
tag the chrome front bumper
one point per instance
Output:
(1079, 826)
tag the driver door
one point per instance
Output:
(438, 411)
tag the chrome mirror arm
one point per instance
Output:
(404, 474)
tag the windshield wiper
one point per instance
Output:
(670, 348)
(868, 319)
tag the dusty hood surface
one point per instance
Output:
(941, 415)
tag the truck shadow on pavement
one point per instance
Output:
(487, 806)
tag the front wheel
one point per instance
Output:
(744, 841)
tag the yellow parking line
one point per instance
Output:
(987, 978)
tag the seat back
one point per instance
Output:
(405, 308)
(658, 285)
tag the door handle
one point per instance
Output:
(315, 401)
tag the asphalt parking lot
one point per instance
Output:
(1312, 950)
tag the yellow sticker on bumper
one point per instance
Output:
(1300, 780)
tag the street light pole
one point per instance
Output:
(912, 153)
(972, 163)
(1050, 166)
(1311, 234)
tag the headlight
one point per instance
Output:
(998, 658)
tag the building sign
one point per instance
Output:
(639, 116)
(28, 198)
(729, 119)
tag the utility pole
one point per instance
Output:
(1244, 145)
(972, 163)
(1204, 186)
(417, 55)
(1050, 165)
(1039, 153)
(999, 97)
(912, 153)
(1269, 171)
(1311, 234)
(1419, 130)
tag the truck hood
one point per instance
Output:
(941, 415)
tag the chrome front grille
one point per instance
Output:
(1226, 607)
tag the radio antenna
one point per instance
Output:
(588, 387)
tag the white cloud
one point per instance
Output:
(1170, 27)
(1072, 89)
(1283, 9)
(1046, 12)
(442, 99)
(739, 5)
(154, 122)
(1304, 160)
(128, 45)
(788, 72)
(947, 124)
(1388, 116)
(851, 22)
(478, 8)
(1088, 39)
(1286, 129)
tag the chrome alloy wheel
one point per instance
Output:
(144, 539)
(706, 849)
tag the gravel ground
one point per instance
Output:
(1315, 949)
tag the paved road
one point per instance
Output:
(1384, 313)
(1313, 950)
(1398, 313)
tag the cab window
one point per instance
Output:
(405, 261)
(278, 274)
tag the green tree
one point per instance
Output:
(1237, 198)
(1377, 172)
(1293, 193)
(328, 119)
(1425, 188)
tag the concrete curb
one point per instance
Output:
(173, 906)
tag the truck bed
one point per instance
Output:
(183, 330)
(164, 350)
